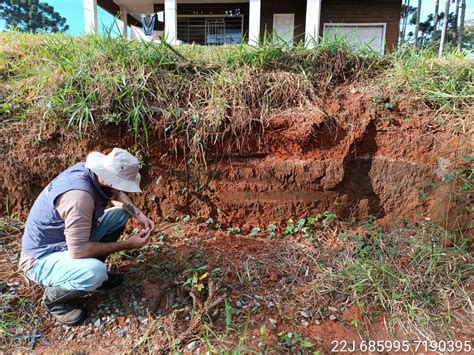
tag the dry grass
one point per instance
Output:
(407, 276)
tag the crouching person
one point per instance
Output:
(69, 233)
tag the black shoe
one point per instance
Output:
(63, 305)
(113, 281)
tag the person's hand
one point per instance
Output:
(138, 240)
(147, 223)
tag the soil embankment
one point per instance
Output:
(351, 156)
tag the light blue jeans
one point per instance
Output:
(59, 269)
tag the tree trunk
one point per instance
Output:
(461, 24)
(417, 26)
(456, 16)
(444, 30)
(405, 21)
(436, 16)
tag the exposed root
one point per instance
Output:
(200, 308)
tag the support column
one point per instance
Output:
(123, 18)
(313, 20)
(254, 21)
(171, 21)
(90, 16)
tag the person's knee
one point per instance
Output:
(94, 276)
(123, 218)
(120, 216)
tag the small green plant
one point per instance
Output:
(271, 228)
(369, 223)
(293, 228)
(196, 281)
(294, 341)
(233, 230)
(255, 231)
(327, 218)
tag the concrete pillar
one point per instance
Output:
(123, 18)
(313, 20)
(90, 16)
(171, 21)
(254, 21)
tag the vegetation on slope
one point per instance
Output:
(217, 94)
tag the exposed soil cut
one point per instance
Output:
(350, 157)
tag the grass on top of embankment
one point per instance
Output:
(219, 95)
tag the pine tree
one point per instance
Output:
(31, 16)
(461, 25)
(436, 16)
(444, 29)
(417, 24)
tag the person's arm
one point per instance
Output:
(120, 199)
(94, 249)
(76, 208)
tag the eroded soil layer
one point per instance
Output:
(303, 164)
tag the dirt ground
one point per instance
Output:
(217, 275)
(256, 296)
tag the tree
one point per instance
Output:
(444, 30)
(417, 24)
(436, 16)
(407, 10)
(461, 24)
(456, 19)
(31, 16)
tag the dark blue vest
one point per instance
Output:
(44, 229)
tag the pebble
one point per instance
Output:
(238, 304)
(318, 322)
(304, 314)
(121, 331)
(304, 323)
(85, 333)
(272, 321)
(192, 345)
(97, 323)
(70, 337)
(332, 317)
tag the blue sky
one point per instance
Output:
(74, 13)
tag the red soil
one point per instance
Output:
(351, 157)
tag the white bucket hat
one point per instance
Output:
(118, 169)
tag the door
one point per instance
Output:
(359, 35)
(215, 31)
(283, 28)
